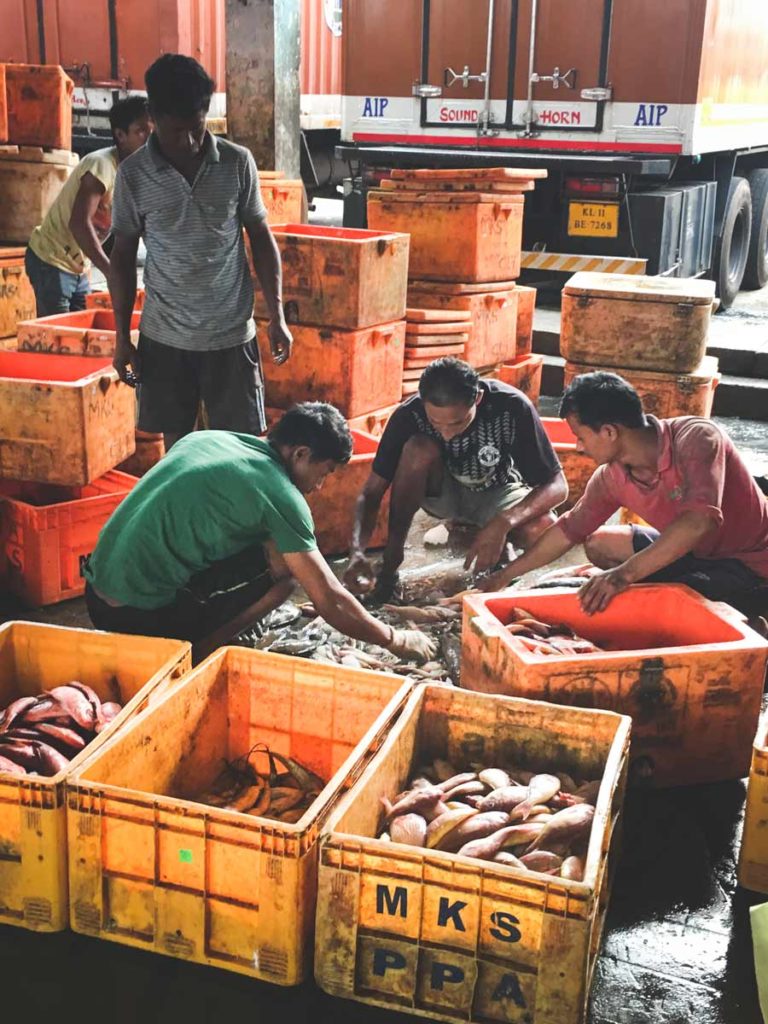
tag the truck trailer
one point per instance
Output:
(651, 117)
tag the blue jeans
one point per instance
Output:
(56, 291)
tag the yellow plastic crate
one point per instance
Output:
(33, 840)
(454, 938)
(152, 868)
(753, 858)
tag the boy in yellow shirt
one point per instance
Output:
(71, 237)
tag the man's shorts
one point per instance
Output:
(174, 381)
(477, 508)
(718, 579)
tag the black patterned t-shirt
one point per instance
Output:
(505, 444)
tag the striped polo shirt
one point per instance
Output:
(199, 293)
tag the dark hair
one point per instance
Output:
(125, 112)
(599, 398)
(449, 381)
(319, 426)
(178, 86)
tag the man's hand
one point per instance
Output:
(360, 577)
(412, 644)
(499, 580)
(280, 340)
(488, 546)
(127, 355)
(597, 594)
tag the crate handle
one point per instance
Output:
(495, 300)
(379, 335)
(504, 211)
(104, 384)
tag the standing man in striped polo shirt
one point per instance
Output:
(189, 195)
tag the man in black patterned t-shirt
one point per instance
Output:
(466, 450)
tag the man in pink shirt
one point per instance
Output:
(708, 520)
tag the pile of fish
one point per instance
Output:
(543, 638)
(41, 735)
(300, 632)
(533, 822)
(284, 789)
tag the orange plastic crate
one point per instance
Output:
(63, 419)
(39, 105)
(48, 531)
(151, 867)
(357, 371)
(493, 308)
(526, 306)
(103, 300)
(525, 375)
(285, 200)
(3, 106)
(333, 506)
(373, 423)
(88, 332)
(454, 938)
(468, 237)
(340, 277)
(132, 670)
(665, 394)
(688, 671)
(17, 298)
(577, 466)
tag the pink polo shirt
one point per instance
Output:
(699, 469)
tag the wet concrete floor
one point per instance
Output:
(677, 946)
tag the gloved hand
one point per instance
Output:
(412, 645)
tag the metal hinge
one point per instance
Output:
(597, 94)
(425, 91)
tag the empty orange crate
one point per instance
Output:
(340, 277)
(333, 506)
(103, 300)
(285, 200)
(525, 375)
(357, 371)
(577, 466)
(665, 394)
(753, 857)
(373, 423)
(39, 105)
(48, 531)
(63, 419)
(688, 671)
(151, 867)
(493, 308)
(465, 237)
(17, 299)
(454, 938)
(33, 828)
(89, 332)
(3, 106)
(526, 307)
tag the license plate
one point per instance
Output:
(593, 219)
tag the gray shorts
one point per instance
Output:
(474, 507)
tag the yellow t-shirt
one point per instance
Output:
(52, 240)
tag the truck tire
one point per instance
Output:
(756, 274)
(732, 248)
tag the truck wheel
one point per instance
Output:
(756, 274)
(732, 248)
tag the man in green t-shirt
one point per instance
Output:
(214, 536)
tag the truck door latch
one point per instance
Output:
(450, 77)
(567, 80)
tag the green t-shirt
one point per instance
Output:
(214, 494)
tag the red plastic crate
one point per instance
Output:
(46, 532)
(333, 506)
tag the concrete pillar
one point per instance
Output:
(263, 80)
